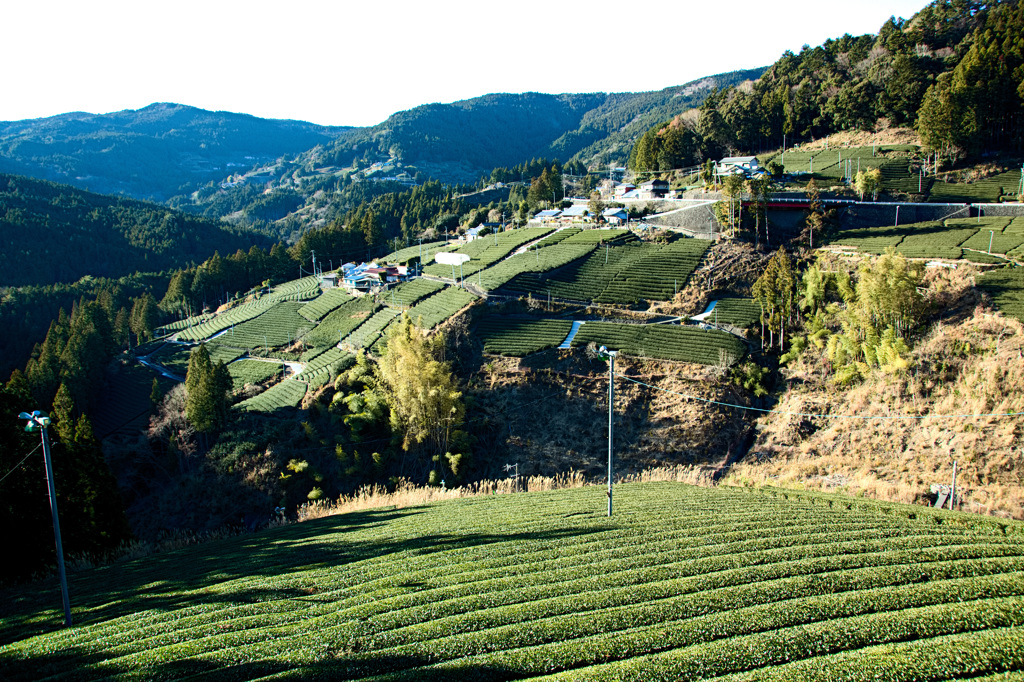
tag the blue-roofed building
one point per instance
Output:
(548, 216)
(576, 213)
(615, 216)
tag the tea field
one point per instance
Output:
(682, 583)
(900, 166)
(487, 250)
(951, 239)
(738, 312)
(520, 336)
(434, 310)
(621, 273)
(245, 372)
(664, 342)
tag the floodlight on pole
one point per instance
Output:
(40, 420)
(610, 354)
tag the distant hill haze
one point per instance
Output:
(153, 153)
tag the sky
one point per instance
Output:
(356, 63)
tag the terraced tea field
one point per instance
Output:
(278, 326)
(434, 310)
(174, 357)
(423, 252)
(682, 583)
(252, 372)
(984, 190)
(320, 306)
(664, 341)
(409, 293)
(487, 251)
(738, 312)
(538, 260)
(952, 239)
(323, 368)
(366, 334)
(625, 274)
(288, 393)
(520, 336)
(341, 322)
(1006, 286)
(304, 289)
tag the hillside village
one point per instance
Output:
(661, 288)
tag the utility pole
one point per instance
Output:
(610, 354)
(952, 491)
(41, 420)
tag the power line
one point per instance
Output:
(20, 463)
(811, 414)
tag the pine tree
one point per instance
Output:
(200, 405)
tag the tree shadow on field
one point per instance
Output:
(197, 575)
(79, 664)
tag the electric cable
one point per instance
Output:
(817, 415)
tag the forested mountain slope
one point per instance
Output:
(56, 233)
(150, 153)
(506, 129)
(954, 71)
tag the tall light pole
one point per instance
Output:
(610, 354)
(41, 420)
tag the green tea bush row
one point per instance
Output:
(409, 293)
(252, 372)
(288, 393)
(366, 334)
(533, 261)
(738, 312)
(519, 337)
(585, 639)
(341, 322)
(664, 341)
(434, 310)
(316, 309)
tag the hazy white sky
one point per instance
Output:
(355, 63)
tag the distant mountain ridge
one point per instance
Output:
(166, 152)
(151, 153)
(482, 133)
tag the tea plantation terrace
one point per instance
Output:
(682, 583)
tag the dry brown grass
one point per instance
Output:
(969, 363)
(860, 138)
(407, 494)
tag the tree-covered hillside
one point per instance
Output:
(955, 72)
(506, 129)
(56, 233)
(150, 153)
